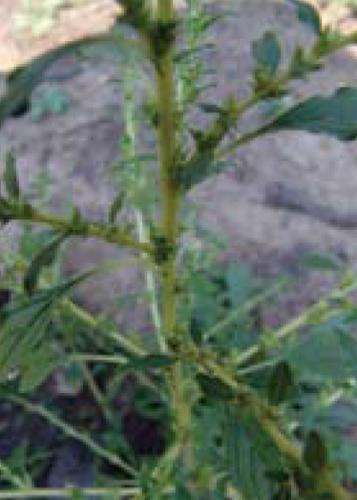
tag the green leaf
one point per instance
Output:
(182, 493)
(334, 115)
(115, 208)
(41, 364)
(76, 218)
(6, 211)
(281, 383)
(308, 15)
(44, 258)
(10, 176)
(325, 353)
(196, 331)
(210, 108)
(148, 403)
(240, 283)
(322, 262)
(198, 169)
(214, 388)
(248, 454)
(315, 452)
(150, 361)
(26, 323)
(302, 63)
(20, 338)
(267, 52)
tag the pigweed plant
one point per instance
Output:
(248, 412)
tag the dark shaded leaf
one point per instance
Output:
(5, 297)
(334, 115)
(315, 452)
(210, 108)
(44, 258)
(148, 403)
(10, 176)
(267, 52)
(214, 388)
(115, 208)
(198, 169)
(281, 383)
(6, 211)
(150, 361)
(76, 218)
(196, 331)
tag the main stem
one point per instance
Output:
(169, 220)
(169, 194)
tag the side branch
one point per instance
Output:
(21, 211)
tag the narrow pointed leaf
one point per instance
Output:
(315, 452)
(44, 258)
(115, 208)
(281, 383)
(10, 176)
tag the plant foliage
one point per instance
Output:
(242, 411)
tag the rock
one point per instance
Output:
(72, 467)
(78, 147)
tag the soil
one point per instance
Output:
(284, 196)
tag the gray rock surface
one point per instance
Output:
(285, 193)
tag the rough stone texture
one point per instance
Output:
(246, 204)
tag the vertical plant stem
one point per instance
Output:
(169, 220)
(169, 194)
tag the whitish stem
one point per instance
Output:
(115, 493)
(112, 458)
(150, 282)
